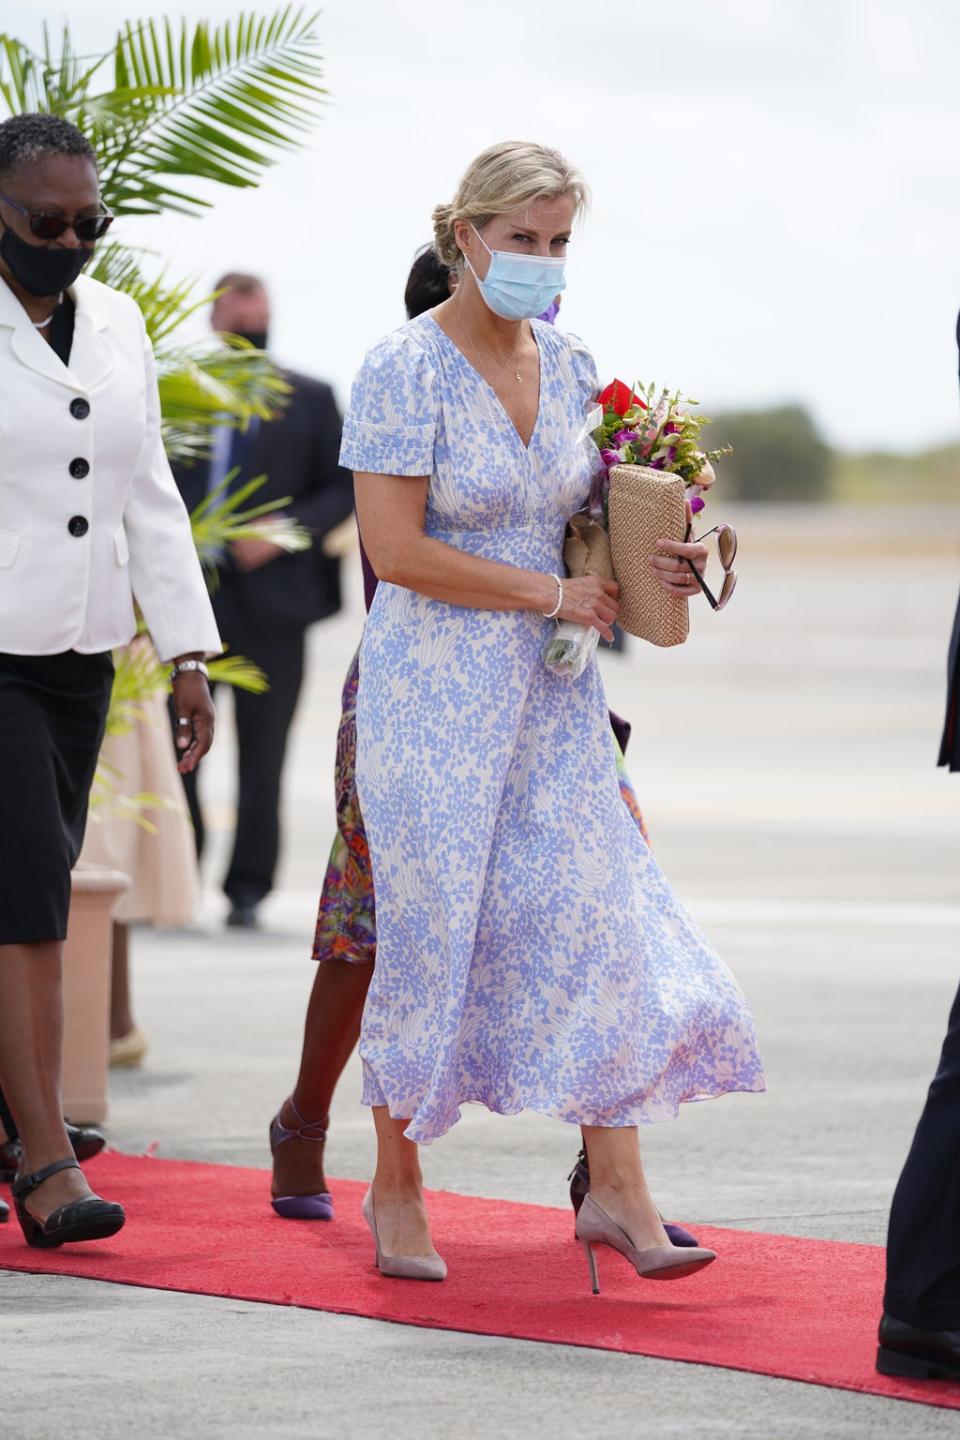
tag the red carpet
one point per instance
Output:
(776, 1305)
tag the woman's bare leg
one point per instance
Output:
(330, 1036)
(121, 1012)
(619, 1186)
(402, 1222)
(31, 1062)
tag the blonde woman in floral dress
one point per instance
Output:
(531, 954)
(345, 941)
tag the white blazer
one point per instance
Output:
(90, 516)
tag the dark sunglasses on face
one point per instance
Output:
(727, 548)
(45, 226)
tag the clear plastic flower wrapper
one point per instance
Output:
(571, 649)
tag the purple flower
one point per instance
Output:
(696, 505)
(611, 457)
(624, 437)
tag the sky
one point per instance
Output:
(775, 187)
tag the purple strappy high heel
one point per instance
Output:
(300, 1207)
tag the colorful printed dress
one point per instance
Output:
(530, 951)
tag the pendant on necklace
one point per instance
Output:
(518, 377)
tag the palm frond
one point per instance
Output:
(108, 803)
(214, 103)
(222, 381)
(165, 305)
(43, 80)
(240, 673)
(137, 677)
(220, 519)
(21, 77)
(219, 384)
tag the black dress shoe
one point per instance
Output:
(89, 1219)
(243, 917)
(914, 1354)
(85, 1142)
(4, 1212)
(579, 1178)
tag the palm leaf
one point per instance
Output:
(220, 519)
(240, 673)
(214, 103)
(218, 385)
(202, 386)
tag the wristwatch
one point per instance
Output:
(183, 666)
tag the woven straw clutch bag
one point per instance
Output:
(645, 506)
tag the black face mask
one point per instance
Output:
(41, 269)
(257, 338)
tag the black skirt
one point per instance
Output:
(53, 709)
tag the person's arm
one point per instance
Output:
(166, 577)
(391, 512)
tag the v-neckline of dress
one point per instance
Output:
(526, 448)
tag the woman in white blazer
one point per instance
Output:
(90, 521)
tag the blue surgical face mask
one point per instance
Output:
(519, 287)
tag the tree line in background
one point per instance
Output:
(779, 455)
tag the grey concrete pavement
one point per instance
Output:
(784, 759)
(148, 1363)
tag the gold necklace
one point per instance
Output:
(503, 363)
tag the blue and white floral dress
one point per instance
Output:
(531, 954)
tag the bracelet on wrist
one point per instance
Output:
(552, 614)
(184, 667)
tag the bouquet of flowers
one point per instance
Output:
(654, 428)
(647, 427)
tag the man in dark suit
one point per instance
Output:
(920, 1329)
(267, 597)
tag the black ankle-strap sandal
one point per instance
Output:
(90, 1219)
(4, 1212)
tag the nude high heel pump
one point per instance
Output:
(402, 1267)
(658, 1262)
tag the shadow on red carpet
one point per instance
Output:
(774, 1305)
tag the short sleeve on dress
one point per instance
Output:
(584, 369)
(391, 424)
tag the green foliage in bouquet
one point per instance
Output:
(651, 426)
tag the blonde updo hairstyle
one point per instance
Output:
(506, 177)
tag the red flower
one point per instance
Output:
(619, 397)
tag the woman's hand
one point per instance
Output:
(193, 705)
(589, 601)
(671, 567)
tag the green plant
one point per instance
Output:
(183, 101)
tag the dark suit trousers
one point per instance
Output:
(263, 722)
(923, 1248)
